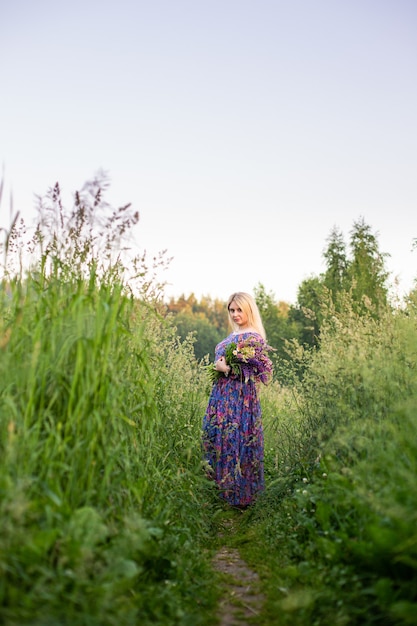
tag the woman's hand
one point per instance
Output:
(221, 366)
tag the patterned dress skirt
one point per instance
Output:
(233, 440)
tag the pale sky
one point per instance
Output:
(242, 131)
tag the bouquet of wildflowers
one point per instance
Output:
(248, 360)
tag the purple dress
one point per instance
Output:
(232, 434)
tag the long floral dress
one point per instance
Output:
(233, 440)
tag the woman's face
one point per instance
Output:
(237, 315)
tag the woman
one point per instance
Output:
(232, 426)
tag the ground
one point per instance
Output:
(241, 600)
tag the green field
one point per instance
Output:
(106, 516)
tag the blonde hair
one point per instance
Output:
(249, 307)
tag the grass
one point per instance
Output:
(104, 508)
(334, 536)
(106, 515)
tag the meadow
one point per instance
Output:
(335, 533)
(106, 515)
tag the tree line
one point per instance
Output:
(355, 270)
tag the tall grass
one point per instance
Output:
(336, 528)
(105, 513)
(104, 509)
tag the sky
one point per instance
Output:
(242, 131)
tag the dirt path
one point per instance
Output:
(242, 600)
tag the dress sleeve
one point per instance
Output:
(220, 349)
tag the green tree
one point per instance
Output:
(206, 335)
(206, 319)
(269, 312)
(214, 310)
(308, 313)
(363, 276)
(274, 317)
(366, 273)
(335, 277)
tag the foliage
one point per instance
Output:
(204, 320)
(104, 508)
(335, 530)
(89, 238)
(366, 272)
(196, 326)
(363, 276)
(278, 322)
(335, 278)
(106, 515)
(308, 314)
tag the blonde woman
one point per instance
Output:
(232, 427)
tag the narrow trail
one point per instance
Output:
(242, 600)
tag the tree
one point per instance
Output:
(206, 335)
(279, 327)
(267, 308)
(206, 319)
(335, 277)
(307, 315)
(366, 273)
